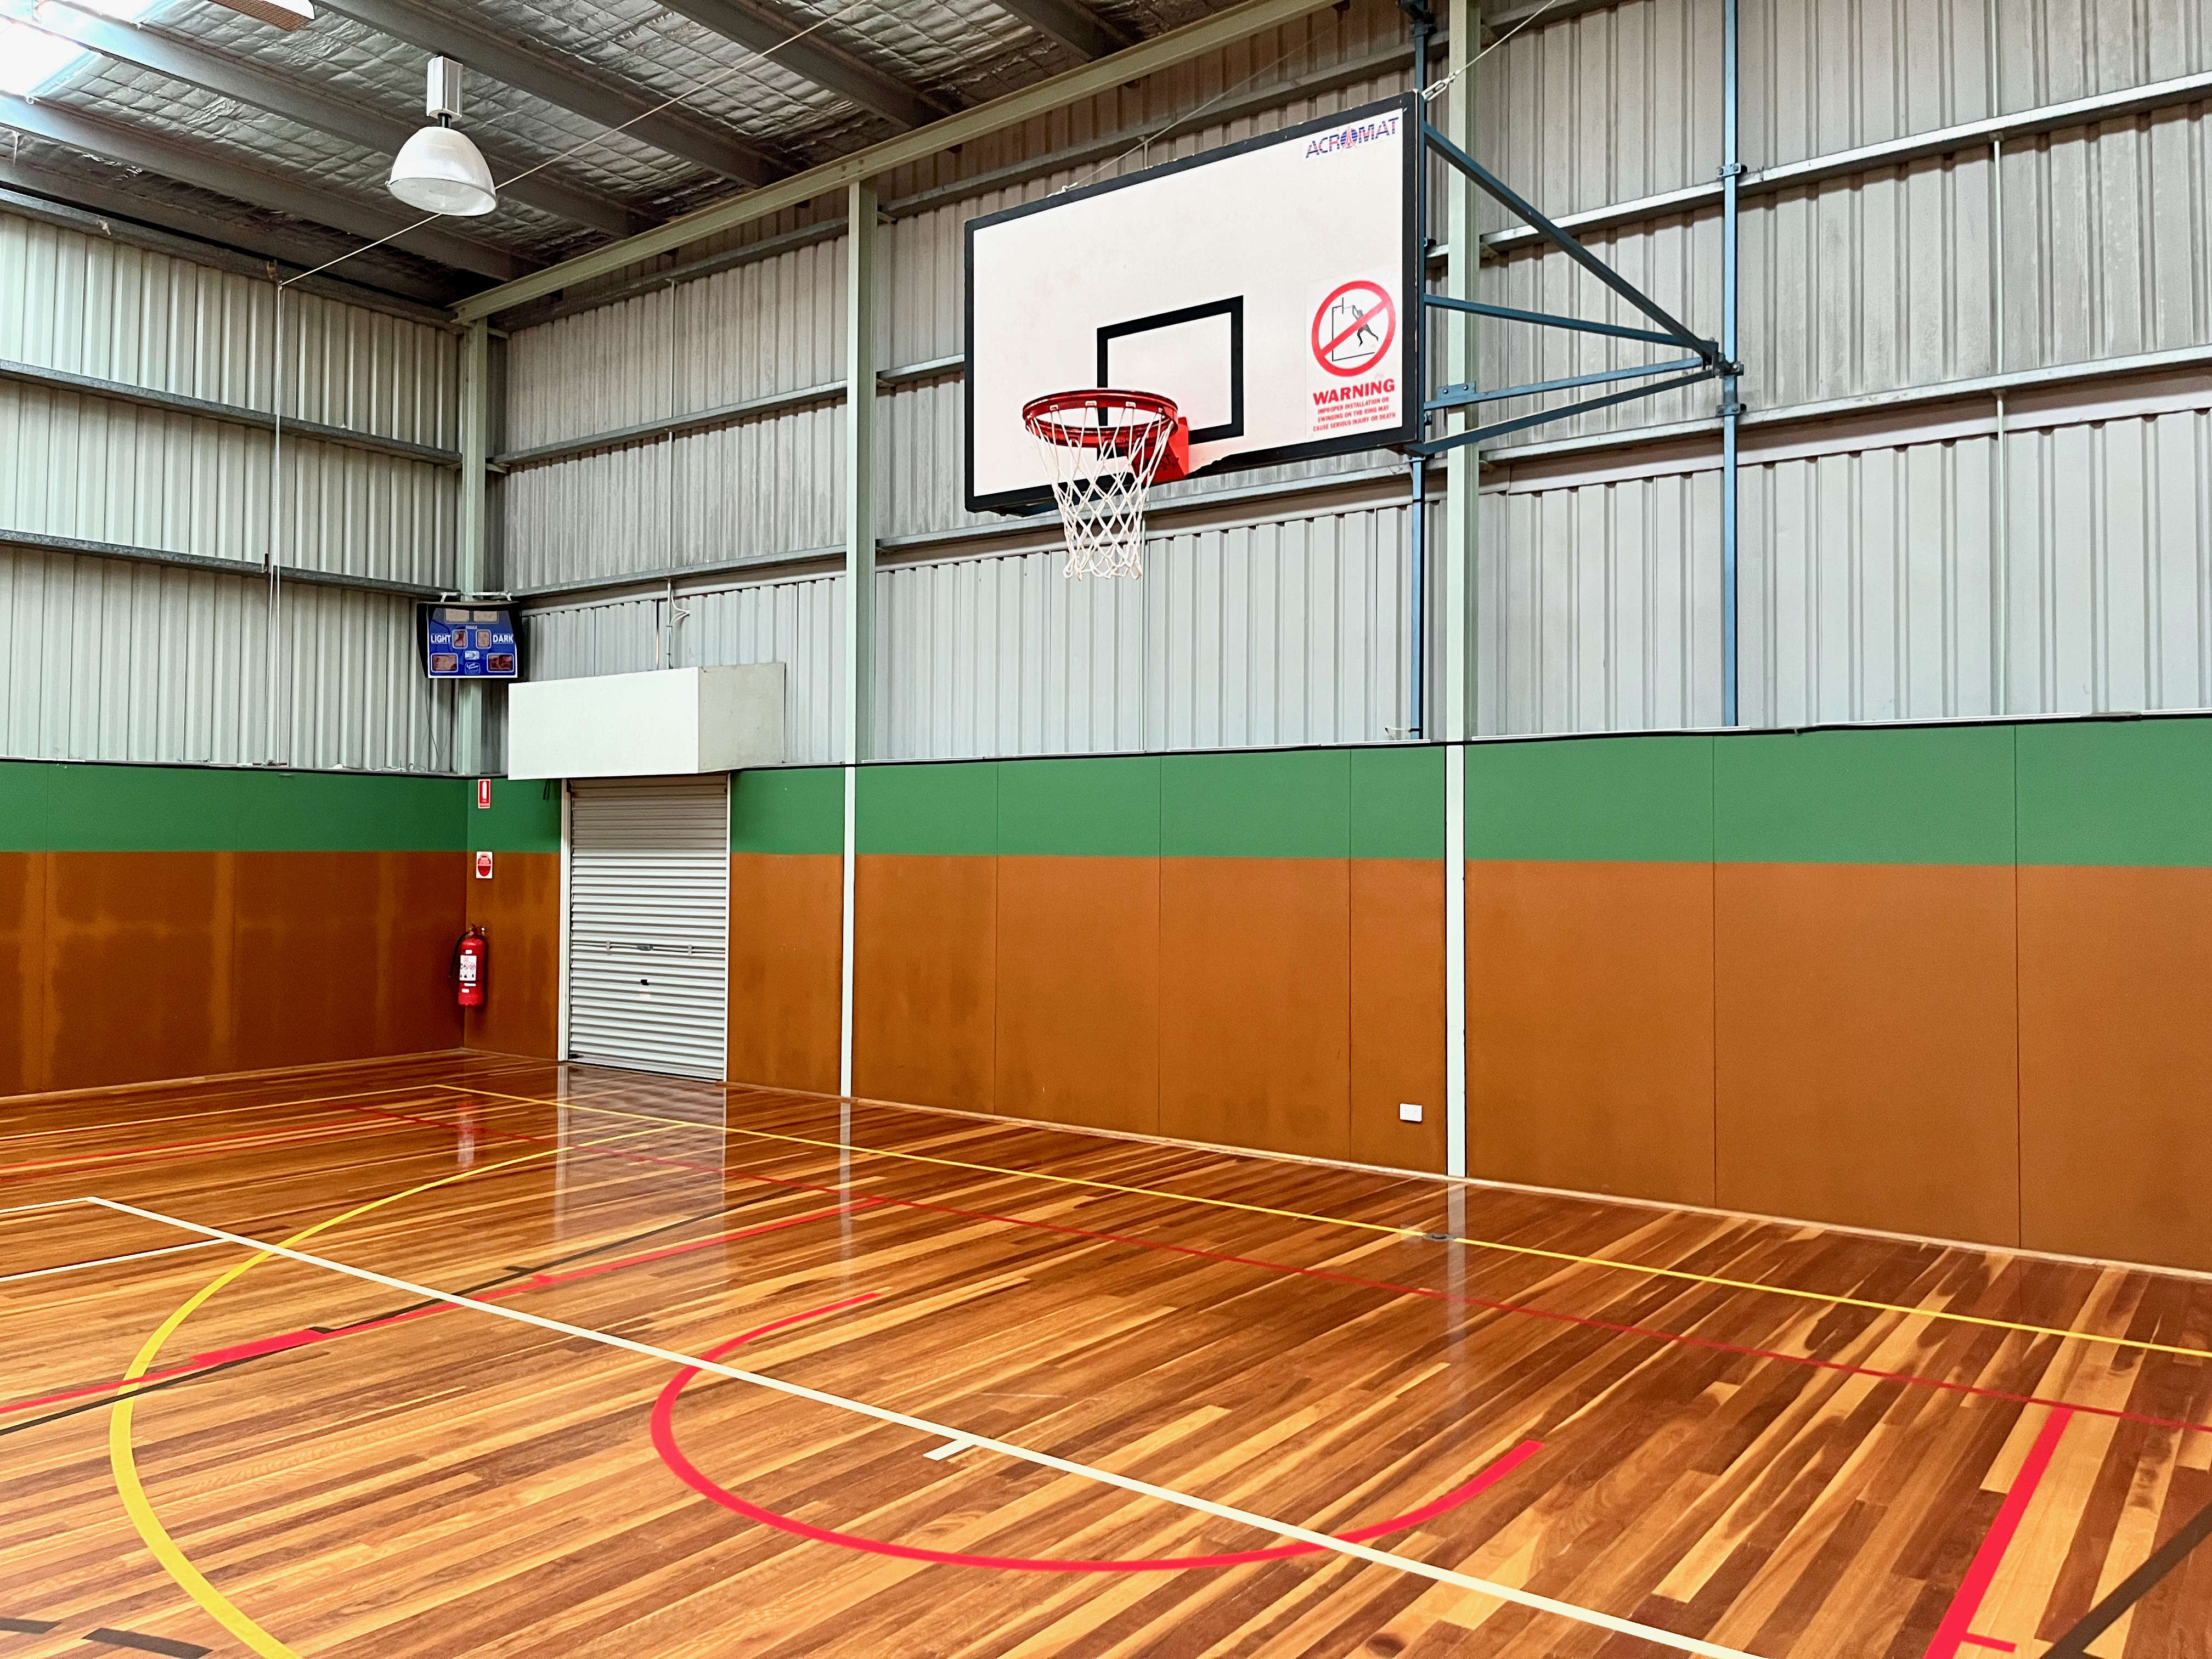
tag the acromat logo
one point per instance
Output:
(1351, 137)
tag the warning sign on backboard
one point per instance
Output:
(1353, 341)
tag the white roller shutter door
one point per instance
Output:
(649, 923)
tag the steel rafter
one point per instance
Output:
(95, 204)
(751, 24)
(305, 102)
(1075, 27)
(1149, 56)
(611, 103)
(191, 164)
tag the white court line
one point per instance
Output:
(950, 1449)
(938, 1432)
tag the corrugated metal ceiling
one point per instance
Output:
(945, 52)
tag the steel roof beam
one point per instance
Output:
(310, 105)
(610, 102)
(189, 164)
(1075, 27)
(1162, 51)
(98, 209)
(751, 24)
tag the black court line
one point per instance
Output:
(125, 1638)
(28, 1626)
(508, 1277)
(2075, 1644)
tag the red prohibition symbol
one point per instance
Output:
(1353, 328)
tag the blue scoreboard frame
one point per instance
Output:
(469, 642)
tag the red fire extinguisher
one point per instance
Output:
(471, 965)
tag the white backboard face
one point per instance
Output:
(1262, 286)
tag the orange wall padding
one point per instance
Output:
(787, 911)
(518, 908)
(134, 967)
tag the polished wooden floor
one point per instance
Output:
(1539, 1426)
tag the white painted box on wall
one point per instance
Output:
(671, 722)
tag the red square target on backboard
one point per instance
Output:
(1264, 285)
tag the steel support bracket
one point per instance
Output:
(1588, 406)
(1506, 197)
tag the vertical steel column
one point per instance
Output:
(1458, 567)
(470, 531)
(859, 560)
(1731, 383)
(2001, 601)
(1417, 666)
(273, 627)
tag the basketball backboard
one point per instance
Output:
(1262, 286)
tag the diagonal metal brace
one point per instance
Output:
(1505, 194)
(1459, 397)
(1707, 349)
(1588, 406)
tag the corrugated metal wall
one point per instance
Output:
(106, 660)
(190, 685)
(1890, 571)
(1895, 563)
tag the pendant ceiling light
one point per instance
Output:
(439, 170)
(279, 14)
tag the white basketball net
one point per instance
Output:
(1101, 451)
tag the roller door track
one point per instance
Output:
(649, 924)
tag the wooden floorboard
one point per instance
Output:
(1853, 1446)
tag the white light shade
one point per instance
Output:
(439, 171)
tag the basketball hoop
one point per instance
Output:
(1104, 449)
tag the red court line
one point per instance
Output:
(1648, 1333)
(663, 1441)
(309, 1338)
(1953, 1633)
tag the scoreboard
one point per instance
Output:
(469, 642)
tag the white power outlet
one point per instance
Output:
(1409, 1112)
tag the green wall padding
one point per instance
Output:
(61, 807)
(1581, 800)
(1909, 795)
(788, 810)
(523, 816)
(1295, 804)
(1397, 803)
(2117, 792)
(943, 809)
(1080, 808)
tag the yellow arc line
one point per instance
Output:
(123, 1461)
(1831, 1297)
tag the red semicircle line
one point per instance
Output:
(664, 1441)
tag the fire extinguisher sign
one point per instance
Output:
(483, 866)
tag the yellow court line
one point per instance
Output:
(123, 1461)
(1829, 1298)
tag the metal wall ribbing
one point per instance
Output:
(109, 659)
(1900, 558)
(114, 658)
